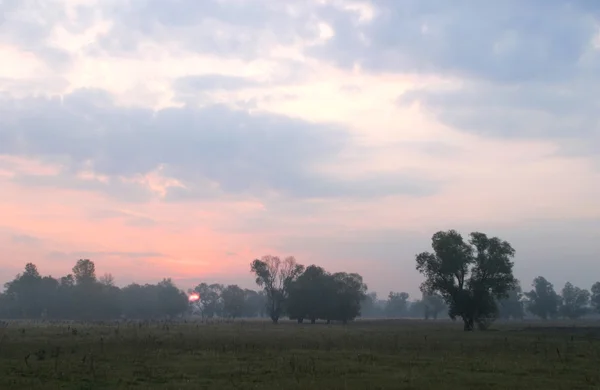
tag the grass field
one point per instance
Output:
(258, 355)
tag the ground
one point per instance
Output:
(408, 354)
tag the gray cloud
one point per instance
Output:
(130, 219)
(28, 23)
(235, 28)
(114, 186)
(26, 239)
(190, 89)
(566, 113)
(57, 255)
(239, 152)
(509, 41)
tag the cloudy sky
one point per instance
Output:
(185, 138)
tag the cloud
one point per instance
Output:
(28, 24)
(125, 190)
(566, 114)
(206, 151)
(131, 219)
(26, 239)
(344, 132)
(211, 82)
(509, 41)
(237, 28)
(57, 255)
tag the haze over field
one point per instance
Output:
(187, 138)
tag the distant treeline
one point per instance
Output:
(288, 289)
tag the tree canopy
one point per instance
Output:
(276, 276)
(470, 276)
(543, 301)
(575, 301)
(471, 280)
(596, 296)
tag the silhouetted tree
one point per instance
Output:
(107, 280)
(211, 303)
(255, 304)
(574, 302)
(512, 305)
(344, 296)
(596, 296)
(397, 304)
(276, 276)
(542, 301)
(82, 297)
(433, 305)
(234, 300)
(171, 300)
(84, 272)
(306, 295)
(469, 276)
(372, 307)
(24, 293)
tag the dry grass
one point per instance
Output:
(258, 355)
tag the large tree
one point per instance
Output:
(211, 303)
(542, 301)
(234, 300)
(306, 295)
(596, 296)
(574, 303)
(276, 276)
(344, 296)
(470, 276)
(84, 271)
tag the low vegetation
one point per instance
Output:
(388, 354)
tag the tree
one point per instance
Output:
(344, 296)
(306, 295)
(255, 303)
(84, 272)
(575, 302)
(371, 306)
(596, 296)
(275, 276)
(107, 279)
(24, 293)
(542, 301)
(512, 305)
(469, 276)
(171, 300)
(433, 304)
(210, 299)
(397, 304)
(234, 300)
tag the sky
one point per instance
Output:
(186, 138)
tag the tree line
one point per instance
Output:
(475, 279)
(471, 280)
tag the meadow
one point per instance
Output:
(383, 354)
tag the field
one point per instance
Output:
(258, 355)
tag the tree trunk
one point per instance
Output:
(313, 320)
(468, 324)
(275, 319)
(300, 320)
